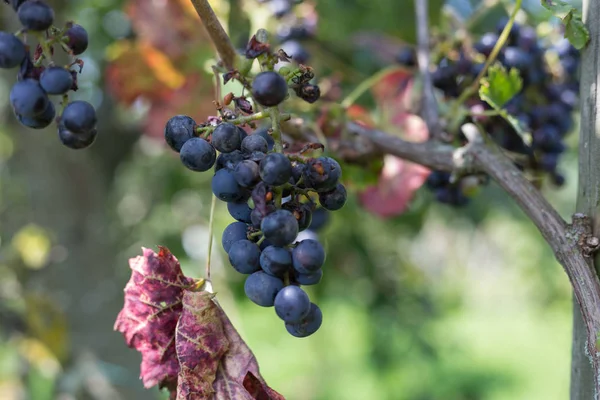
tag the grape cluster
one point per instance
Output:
(29, 96)
(543, 107)
(272, 196)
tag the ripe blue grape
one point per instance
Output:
(77, 39)
(309, 325)
(226, 138)
(79, 117)
(264, 133)
(302, 212)
(254, 143)
(308, 256)
(262, 288)
(225, 187)
(322, 174)
(320, 218)
(246, 173)
(12, 50)
(240, 211)
(244, 256)
(275, 169)
(179, 130)
(40, 121)
(312, 278)
(280, 227)
(28, 99)
(56, 80)
(36, 15)
(232, 233)
(292, 304)
(197, 154)
(74, 140)
(229, 160)
(334, 199)
(276, 260)
(269, 88)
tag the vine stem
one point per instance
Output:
(237, 121)
(211, 224)
(216, 32)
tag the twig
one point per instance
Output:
(217, 34)
(430, 109)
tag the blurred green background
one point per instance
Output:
(437, 303)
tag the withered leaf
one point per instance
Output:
(149, 316)
(256, 48)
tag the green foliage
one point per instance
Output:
(575, 29)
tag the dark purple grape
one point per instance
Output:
(320, 218)
(292, 304)
(79, 117)
(56, 80)
(12, 50)
(28, 99)
(309, 325)
(322, 174)
(36, 15)
(302, 212)
(308, 256)
(407, 57)
(240, 211)
(234, 232)
(197, 154)
(276, 260)
(275, 169)
(244, 256)
(77, 39)
(261, 288)
(280, 227)
(246, 173)
(229, 160)
(41, 121)
(225, 187)
(486, 43)
(226, 138)
(269, 88)
(312, 278)
(254, 143)
(179, 130)
(264, 132)
(334, 199)
(74, 140)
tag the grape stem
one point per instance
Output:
(237, 121)
(46, 52)
(276, 128)
(216, 32)
(211, 224)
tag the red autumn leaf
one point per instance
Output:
(258, 390)
(149, 316)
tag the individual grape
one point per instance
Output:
(320, 218)
(548, 138)
(292, 304)
(229, 160)
(77, 39)
(269, 88)
(225, 187)
(36, 15)
(486, 43)
(264, 133)
(308, 256)
(197, 154)
(240, 211)
(28, 99)
(179, 130)
(262, 288)
(322, 174)
(257, 215)
(74, 140)
(41, 121)
(12, 50)
(246, 173)
(309, 325)
(312, 278)
(232, 233)
(254, 143)
(276, 261)
(275, 169)
(79, 117)
(335, 199)
(244, 256)
(297, 171)
(407, 57)
(56, 80)
(226, 138)
(256, 156)
(309, 93)
(280, 227)
(514, 57)
(549, 161)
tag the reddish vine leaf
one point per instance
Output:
(149, 316)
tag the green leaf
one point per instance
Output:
(500, 85)
(497, 88)
(575, 29)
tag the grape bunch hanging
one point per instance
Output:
(271, 193)
(39, 76)
(543, 107)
